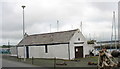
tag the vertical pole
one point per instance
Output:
(24, 53)
(54, 62)
(32, 60)
(119, 25)
(8, 43)
(111, 38)
(81, 26)
(68, 51)
(57, 25)
(23, 31)
(50, 27)
(23, 22)
(90, 36)
(114, 28)
(8, 46)
(17, 51)
(20, 58)
(72, 26)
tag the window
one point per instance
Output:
(46, 49)
(79, 39)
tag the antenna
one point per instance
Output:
(50, 27)
(94, 37)
(72, 26)
(57, 25)
(81, 26)
(8, 43)
(8, 46)
(90, 36)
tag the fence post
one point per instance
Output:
(17, 59)
(20, 59)
(32, 60)
(54, 62)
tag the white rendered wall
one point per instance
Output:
(58, 51)
(72, 45)
(88, 47)
(13, 51)
(21, 52)
(36, 51)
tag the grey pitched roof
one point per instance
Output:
(47, 38)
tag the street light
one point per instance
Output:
(23, 30)
(23, 22)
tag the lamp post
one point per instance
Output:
(23, 22)
(23, 30)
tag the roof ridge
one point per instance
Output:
(54, 32)
(45, 38)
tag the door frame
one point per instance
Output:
(80, 48)
(27, 51)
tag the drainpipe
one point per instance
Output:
(17, 51)
(69, 51)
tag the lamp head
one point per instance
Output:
(23, 7)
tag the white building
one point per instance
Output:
(62, 45)
(13, 51)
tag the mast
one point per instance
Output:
(114, 28)
(111, 36)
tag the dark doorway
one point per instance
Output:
(27, 52)
(79, 52)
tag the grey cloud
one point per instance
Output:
(11, 35)
(39, 15)
(104, 6)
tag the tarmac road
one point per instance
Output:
(7, 64)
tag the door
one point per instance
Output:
(79, 52)
(27, 52)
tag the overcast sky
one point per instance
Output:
(96, 17)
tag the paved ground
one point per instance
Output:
(83, 62)
(8, 63)
(49, 63)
